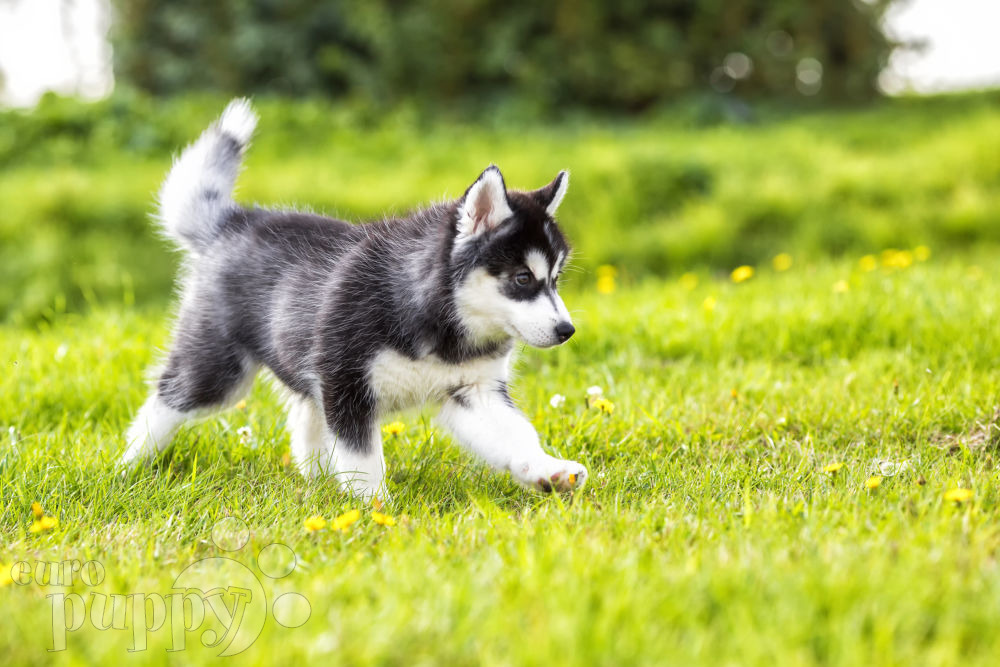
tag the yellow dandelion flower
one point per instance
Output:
(709, 304)
(873, 482)
(921, 253)
(958, 495)
(833, 467)
(606, 284)
(782, 262)
(241, 405)
(741, 273)
(44, 523)
(383, 519)
(868, 263)
(394, 428)
(896, 259)
(5, 578)
(689, 281)
(841, 286)
(286, 460)
(603, 404)
(607, 271)
(36, 509)
(571, 478)
(345, 520)
(315, 523)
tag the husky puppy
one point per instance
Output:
(358, 320)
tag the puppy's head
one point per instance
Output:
(508, 254)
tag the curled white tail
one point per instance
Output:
(197, 193)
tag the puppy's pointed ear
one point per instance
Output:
(485, 204)
(552, 194)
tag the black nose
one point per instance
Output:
(564, 330)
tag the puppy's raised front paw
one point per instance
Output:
(550, 474)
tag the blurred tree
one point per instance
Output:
(624, 55)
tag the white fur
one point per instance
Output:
(185, 212)
(238, 120)
(535, 321)
(537, 264)
(488, 314)
(558, 196)
(315, 452)
(482, 421)
(311, 442)
(485, 205)
(500, 435)
(361, 474)
(152, 431)
(401, 382)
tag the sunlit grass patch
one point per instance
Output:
(795, 475)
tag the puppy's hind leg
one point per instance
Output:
(197, 380)
(152, 430)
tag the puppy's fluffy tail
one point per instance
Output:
(197, 194)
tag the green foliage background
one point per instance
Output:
(624, 55)
(658, 196)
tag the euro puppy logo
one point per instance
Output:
(357, 320)
(219, 600)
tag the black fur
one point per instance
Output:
(316, 299)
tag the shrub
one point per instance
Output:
(623, 56)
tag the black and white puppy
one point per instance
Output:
(358, 320)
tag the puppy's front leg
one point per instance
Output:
(355, 452)
(485, 422)
(360, 470)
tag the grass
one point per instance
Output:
(658, 196)
(709, 532)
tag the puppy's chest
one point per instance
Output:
(401, 382)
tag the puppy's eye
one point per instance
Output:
(523, 279)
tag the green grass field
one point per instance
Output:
(709, 532)
(713, 529)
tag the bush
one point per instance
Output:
(622, 56)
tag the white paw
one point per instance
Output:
(363, 490)
(549, 474)
(127, 463)
(138, 452)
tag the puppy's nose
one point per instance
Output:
(564, 330)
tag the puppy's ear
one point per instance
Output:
(485, 204)
(552, 194)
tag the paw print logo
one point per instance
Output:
(224, 600)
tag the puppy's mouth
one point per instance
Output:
(553, 341)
